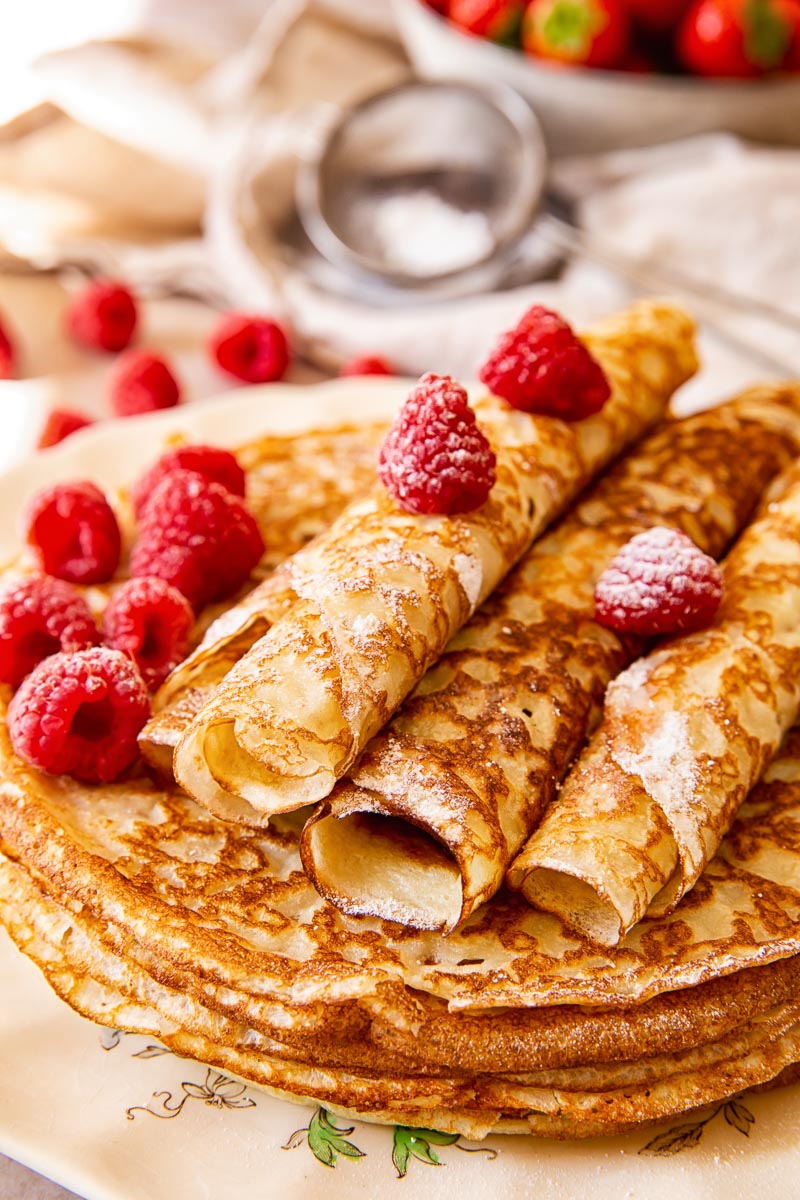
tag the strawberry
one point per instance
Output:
(657, 16)
(497, 20)
(740, 39)
(592, 33)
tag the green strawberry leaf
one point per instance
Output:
(767, 34)
(572, 25)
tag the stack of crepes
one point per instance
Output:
(390, 972)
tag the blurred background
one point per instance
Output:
(206, 155)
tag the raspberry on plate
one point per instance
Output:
(659, 582)
(254, 349)
(60, 424)
(8, 354)
(540, 366)
(197, 537)
(367, 364)
(40, 616)
(103, 315)
(149, 621)
(142, 382)
(215, 465)
(435, 458)
(73, 532)
(80, 714)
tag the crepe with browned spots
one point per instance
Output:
(428, 821)
(686, 733)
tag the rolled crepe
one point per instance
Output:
(296, 485)
(686, 733)
(426, 825)
(226, 640)
(382, 594)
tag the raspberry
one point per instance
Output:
(80, 714)
(216, 466)
(59, 425)
(367, 364)
(149, 621)
(254, 349)
(540, 366)
(38, 617)
(435, 458)
(73, 532)
(197, 537)
(103, 315)
(142, 382)
(659, 582)
(8, 355)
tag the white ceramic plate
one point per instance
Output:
(114, 1117)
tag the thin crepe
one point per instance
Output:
(426, 825)
(686, 733)
(296, 485)
(601, 1098)
(382, 593)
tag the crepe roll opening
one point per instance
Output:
(240, 774)
(556, 892)
(366, 863)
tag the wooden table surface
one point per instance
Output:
(18, 1183)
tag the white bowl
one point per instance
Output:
(584, 110)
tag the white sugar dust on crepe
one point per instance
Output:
(681, 744)
(425, 826)
(296, 711)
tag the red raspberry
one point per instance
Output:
(80, 714)
(435, 458)
(367, 364)
(254, 349)
(8, 355)
(542, 367)
(149, 621)
(198, 537)
(215, 465)
(38, 617)
(103, 315)
(659, 582)
(59, 425)
(73, 532)
(142, 382)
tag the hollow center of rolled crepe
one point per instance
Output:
(242, 775)
(589, 913)
(388, 868)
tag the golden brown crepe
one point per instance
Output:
(295, 487)
(686, 733)
(381, 593)
(425, 826)
(577, 1102)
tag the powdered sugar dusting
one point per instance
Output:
(665, 763)
(365, 624)
(470, 575)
